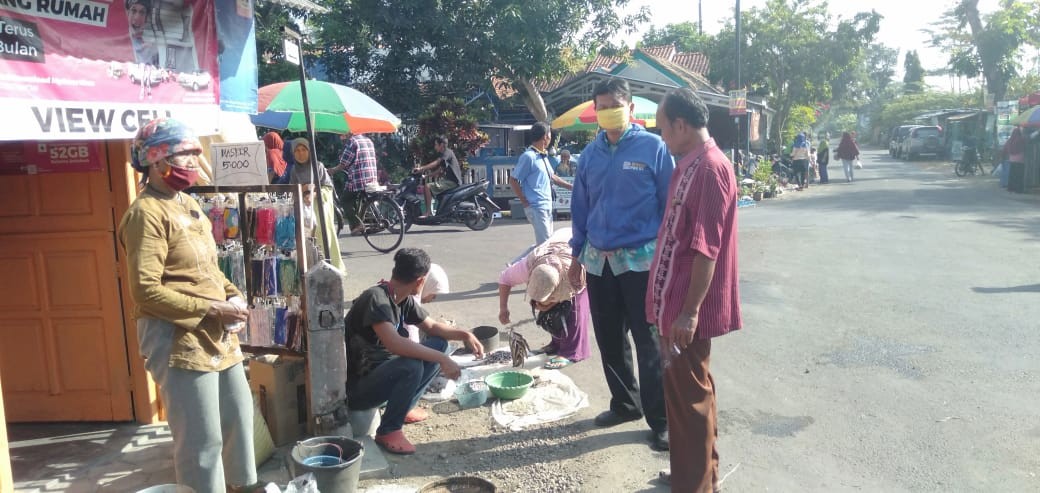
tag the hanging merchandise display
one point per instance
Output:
(258, 245)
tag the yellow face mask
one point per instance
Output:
(613, 118)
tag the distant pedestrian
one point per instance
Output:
(823, 158)
(693, 293)
(620, 193)
(302, 173)
(848, 152)
(800, 160)
(532, 181)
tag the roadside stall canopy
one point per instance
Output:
(84, 70)
(1030, 100)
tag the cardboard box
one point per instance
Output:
(281, 382)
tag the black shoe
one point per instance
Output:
(611, 418)
(659, 440)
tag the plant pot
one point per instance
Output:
(757, 196)
(769, 195)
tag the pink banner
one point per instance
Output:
(25, 158)
(161, 54)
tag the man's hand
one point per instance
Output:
(683, 330)
(575, 272)
(450, 368)
(474, 345)
(503, 316)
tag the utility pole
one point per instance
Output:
(700, 17)
(737, 61)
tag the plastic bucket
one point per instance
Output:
(488, 337)
(335, 462)
(167, 488)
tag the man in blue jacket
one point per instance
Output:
(620, 194)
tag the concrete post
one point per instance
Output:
(326, 348)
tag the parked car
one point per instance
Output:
(921, 141)
(194, 80)
(896, 138)
(138, 71)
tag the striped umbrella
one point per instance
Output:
(335, 109)
(1028, 118)
(583, 116)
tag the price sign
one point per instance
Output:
(239, 164)
(563, 196)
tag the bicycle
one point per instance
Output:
(381, 218)
(969, 164)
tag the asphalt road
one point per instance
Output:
(890, 338)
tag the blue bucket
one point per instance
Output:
(322, 461)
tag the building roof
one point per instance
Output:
(692, 65)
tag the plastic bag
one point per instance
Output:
(857, 164)
(303, 484)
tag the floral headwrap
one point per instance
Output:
(161, 138)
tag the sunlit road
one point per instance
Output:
(891, 337)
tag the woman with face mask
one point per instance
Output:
(188, 315)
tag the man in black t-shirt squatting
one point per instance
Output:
(383, 364)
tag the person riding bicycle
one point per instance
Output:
(358, 162)
(446, 174)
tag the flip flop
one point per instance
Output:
(416, 415)
(558, 363)
(549, 349)
(395, 443)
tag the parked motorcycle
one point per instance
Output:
(467, 204)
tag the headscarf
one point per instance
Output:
(273, 143)
(159, 139)
(300, 141)
(1015, 144)
(799, 140)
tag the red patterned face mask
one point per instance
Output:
(180, 178)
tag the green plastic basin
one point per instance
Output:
(509, 384)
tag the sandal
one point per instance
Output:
(395, 443)
(416, 415)
(549, 349)
(558, 363)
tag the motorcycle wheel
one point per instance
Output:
(411, 211)
(959, 168)
(483, 221)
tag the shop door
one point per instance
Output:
(63, 353)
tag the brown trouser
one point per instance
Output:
(689, 392)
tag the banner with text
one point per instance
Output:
(238, 72)
(30, 158)
(104, 56)
(738, 102)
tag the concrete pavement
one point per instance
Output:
(890, 343)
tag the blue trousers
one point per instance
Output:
(399, 383)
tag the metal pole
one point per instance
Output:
(315, 177)
(700, 17)
(737, 61)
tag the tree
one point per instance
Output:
(794, 53)
(913, 73)
(450, 118)
(685, 36)
(270, 18)
(418, 49)
(988, 45)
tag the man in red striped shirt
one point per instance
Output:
(692, 294)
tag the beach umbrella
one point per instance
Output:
(334, 108)
(583, 116)
(1028, 118)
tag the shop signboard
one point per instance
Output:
(91, 69)
(1006, 110)
(30, 158)
(236, 31)
(563, 196)
(236, 164)
(738, 102)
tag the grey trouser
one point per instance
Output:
(205, 411)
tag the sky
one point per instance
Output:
(901, 22)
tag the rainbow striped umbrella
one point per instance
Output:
(335, 109)
(583, 116)
(1028, 118)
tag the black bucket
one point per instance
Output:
(335, 462)
(488, 337)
